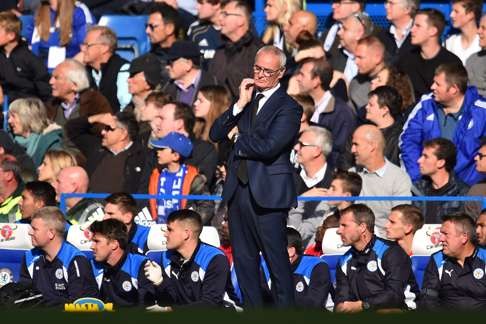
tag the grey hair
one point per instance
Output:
(413, 5)
(322, 138)
(76, 73)
(53, 217)
(275, 51)
(31, 113)
(106, 36)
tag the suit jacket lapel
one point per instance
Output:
(267, 110)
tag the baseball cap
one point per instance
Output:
(186, 49)
(176, 142)
(150, 65)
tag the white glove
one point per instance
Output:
(157, 308)
(153, 272)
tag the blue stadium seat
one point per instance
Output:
(425, 243)
(419, 263)
(130, 30)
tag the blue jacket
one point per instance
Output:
(63, 280)
(423, 124)
(125, 283)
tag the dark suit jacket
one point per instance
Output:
(266, 146)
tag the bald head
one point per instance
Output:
(72, 179)
(300, 21)
(373, 135)
(368, 146)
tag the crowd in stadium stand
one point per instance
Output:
(396, 111)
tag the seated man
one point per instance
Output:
(75, 180)
(403, 221)
(36, 195)
(195, 274)
(55, 267)
(10, 189)
(123, 207)
(174, 177)
(312, 150)
(119, 273)
(311, 274)
(436, 165)
(454, 277)
(373, 274)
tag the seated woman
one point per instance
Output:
(211, 102)
(32, 129)
(54, 161)
(59, 30)
(394, 78)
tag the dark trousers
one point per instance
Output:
(253, 230)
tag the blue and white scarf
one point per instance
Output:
(170, 184)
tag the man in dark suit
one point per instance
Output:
(259, 187)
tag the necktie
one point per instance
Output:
(242, 172)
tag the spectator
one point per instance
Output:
(107, 71)
(174, 177)
(437, 170)
(475, 64)
(374, 273)
(370, 60)
(32, 128)
(473, 208)
(278, 14)
(145, 77)
(184, 66)
(147, 113)
(75, 180)
(181, 286)
(455, 112)
(163, 27)
(36, 195)
(114, 162)
(446, 285)
(353, 28)
(11, 187)
(72, 96)
(403, 221)
(211, 102)
(384, 110)
(390, 76)
(380, 176)
(22, 74)
(54, 161)
(299, 22)
(312, 285)
(464, 16)
(400, 14)
(54, 263)
(205, 32)
(178, 117)
(314, 77)
(312, 150)
(59, 29)
(10, 147)
(235, 60)
(307, 104)
(119, 273)
(481, 229)
(341, 9)
(123, 207)
(420, 64)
